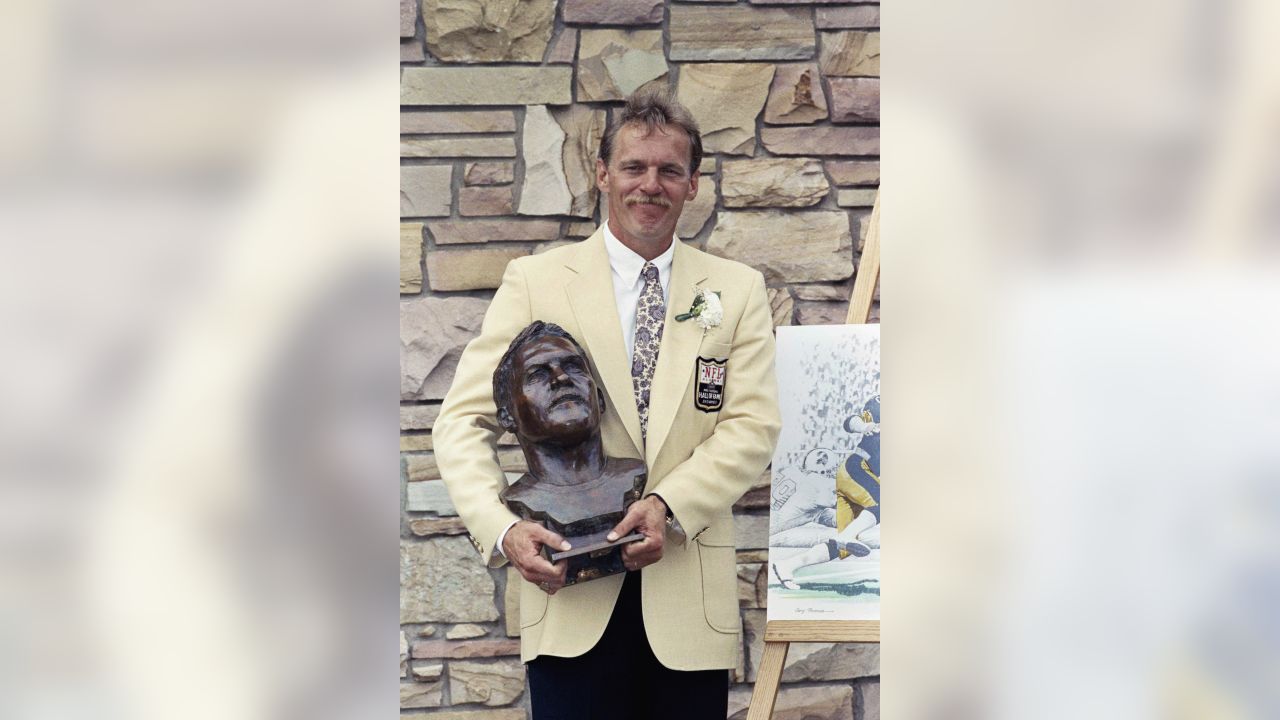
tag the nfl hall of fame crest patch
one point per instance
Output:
(709, 394)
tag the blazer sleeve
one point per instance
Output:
(465, 434)
(704, 487)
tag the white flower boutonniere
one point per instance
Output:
(706, 309)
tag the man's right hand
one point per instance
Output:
(523, 548)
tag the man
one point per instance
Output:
(695, 399)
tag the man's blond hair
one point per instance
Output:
(656, 107)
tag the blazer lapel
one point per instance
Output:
(591, 296)
(680, 342)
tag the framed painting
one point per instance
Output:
(824, 517)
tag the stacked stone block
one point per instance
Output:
(503, 103)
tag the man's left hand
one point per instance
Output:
(648, 517)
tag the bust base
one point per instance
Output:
(593, 557)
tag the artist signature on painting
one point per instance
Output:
(812, 611)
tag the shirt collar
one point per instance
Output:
(627, 264)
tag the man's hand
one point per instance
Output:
(523, 548)
(649, 517)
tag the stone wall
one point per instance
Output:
(503, 105)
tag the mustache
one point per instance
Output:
(648, 200)
(567, 397)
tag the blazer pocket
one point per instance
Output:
(717, 350)
(533, 604)
(718, 561)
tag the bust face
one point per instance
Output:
(554, 398)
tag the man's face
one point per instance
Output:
(648, 180)
(553, 396)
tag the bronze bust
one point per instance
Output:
(546, 396)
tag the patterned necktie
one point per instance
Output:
(651, 311)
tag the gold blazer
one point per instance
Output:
(699, 462)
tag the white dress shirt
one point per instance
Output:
(627, 285)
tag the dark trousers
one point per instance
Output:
(620, 679)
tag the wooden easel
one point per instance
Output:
(864, 285)
(779, 634)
